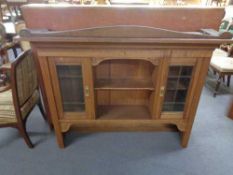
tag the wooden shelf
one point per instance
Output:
(123, 112)
(73, 103)
(173, 103)
(124, 84)
(70, 76)
(179, 76)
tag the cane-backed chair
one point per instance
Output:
(19, 98)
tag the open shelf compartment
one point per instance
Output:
(124, 74)
(124, 89)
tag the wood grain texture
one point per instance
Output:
(124, 82)
(178, 18)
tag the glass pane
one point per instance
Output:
(71, 85)
(179, 78)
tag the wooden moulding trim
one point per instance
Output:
(172, 115)
(96, 61)
(122, 31)
(99, 54)
(128, 40)
(128, 46)
(124, 34)
(124, 124)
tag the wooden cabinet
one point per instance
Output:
(122, 78)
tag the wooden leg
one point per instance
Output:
(202, 66)
(217, 85)
(223, 79)
(24, 134)
(185, 138)
(228, 80)
(60, 139)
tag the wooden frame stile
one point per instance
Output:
(160, 88)
(51, 99)
(41, 87)
(201, 70)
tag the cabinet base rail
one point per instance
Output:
(115, 125)
(86, 126)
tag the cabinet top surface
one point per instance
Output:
(124, 34)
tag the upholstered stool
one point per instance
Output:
(222, 64)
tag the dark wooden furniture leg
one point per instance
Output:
(15, 52)
(217, 85)
(228, 80)
(22, 131)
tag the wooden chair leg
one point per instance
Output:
(217, 85)
(24, 134)
(228, 80)
(214, 72)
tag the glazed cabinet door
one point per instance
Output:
(177, 88)
(71, 79)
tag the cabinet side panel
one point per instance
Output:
(51, 101)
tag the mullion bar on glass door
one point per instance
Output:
(176, 93)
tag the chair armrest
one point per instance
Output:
(5, 88)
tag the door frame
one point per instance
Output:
(87, 87)
(177, 62)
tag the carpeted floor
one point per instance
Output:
(210, 150)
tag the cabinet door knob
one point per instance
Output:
(87, 91)
(162, 90)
